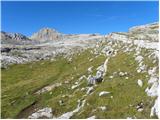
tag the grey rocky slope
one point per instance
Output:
(53, 43)
(147, 32)
(12, 54)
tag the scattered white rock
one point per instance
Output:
(101, 68)
(154, 61)
(108, 50)
(76, 83)
(82, 77)
(105, 66)
(148, 45)
(70, 59)
(83, 89)
(91, 59)
(91, 80)
(129, 118)
(140, 110)
(121, 74)
(74, 86)
(155, 109)
(138, 71)
(140, 83)
(48, 88)
(152, 80)
(126, 78)
(139, 59)
(45, 112)
(99, 74)
(92, 117)
(90, 69)
(71, 113)
(90, 89)
(103, 108)
(153, 91)
(61, 102)
(125, 73)
(140, 107)
(152, 71)
(103, 93)
(110, 77)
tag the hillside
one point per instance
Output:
(83, 76)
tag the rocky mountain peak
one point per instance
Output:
(47, 30)
(46, 34)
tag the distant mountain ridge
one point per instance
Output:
(13, 38)
(145, 32)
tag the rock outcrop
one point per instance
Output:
(46, 34)
(147, 32)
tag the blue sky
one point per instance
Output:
(76, 17)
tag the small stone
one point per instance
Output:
(45, 112)
(103, 108)
(140, 107)
(139, 59)
(103, 93)
(140, 110)
(83, 89)
(74, 86)
(90, 89)
(110, 77)
(61, 102)
(129, 118)
(125, 73)
(76, 83)
(92, 117)
(138, 71)
(91, 60)
(140, 83)
(126, 78)
(91, 80)
(121, 74)
(63, 96)
(90, 69)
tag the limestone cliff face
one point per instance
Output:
(46, 34)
